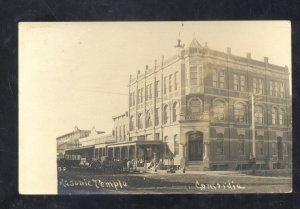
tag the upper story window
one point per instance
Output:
(157, 116)
(238, 82)
(130, 99)
(175, 81)
(166, 114)
(131, 123)
(157, 89)
(146, 93)
(193, 75)
(276, 89)
(239, 112)
(170, 82)
(257, 86)
(175, 112)
(274, 116)
(165, 84)
(195, 107)
(142, 95)
(271, 88)
(280, 117)
(219, 110)
(133, 98)
(138, 96)
(140, 121)
(148, 119)
(277, 116)
(259, 115)
(282, 90)
(150, 91)
(219, 79)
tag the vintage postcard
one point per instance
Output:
(155, 107)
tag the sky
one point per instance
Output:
(76, 74)
(81, 70)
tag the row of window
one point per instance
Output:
(240, 112)
(149, 118)
(170, 82)
(120, 132)
(195, 111)
(276, 88)
(278, 148)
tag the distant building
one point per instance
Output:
(70, 140)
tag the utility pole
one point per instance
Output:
(253, 126)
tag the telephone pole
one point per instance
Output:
(253, 126)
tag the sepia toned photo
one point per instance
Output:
(155, 107)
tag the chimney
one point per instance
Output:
(266, 59)
(248, 55)
(138, 72)
(205, 45)
(147, 67)
(228, 50)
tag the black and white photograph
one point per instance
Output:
(182, 107)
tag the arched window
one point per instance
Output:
(194, 109)
(259, 115)
(166, 114)
(176, 145)
(280, 117)
(131, 125)
(220, 143)
(175, 112)
(219, 110)
(274, 115)
(239, 112)
(241, 143)
(148, 119)
(140, 121)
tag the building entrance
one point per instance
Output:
(195, 146)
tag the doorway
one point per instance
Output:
(195, 146)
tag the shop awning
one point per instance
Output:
(100, 146)
(81, 148)
(133, 143)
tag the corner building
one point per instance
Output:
(198, 104)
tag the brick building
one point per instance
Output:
(195, 109)
(71, 140)
(198, 104)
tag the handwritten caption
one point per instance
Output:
(230, 185)
(96, 183)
